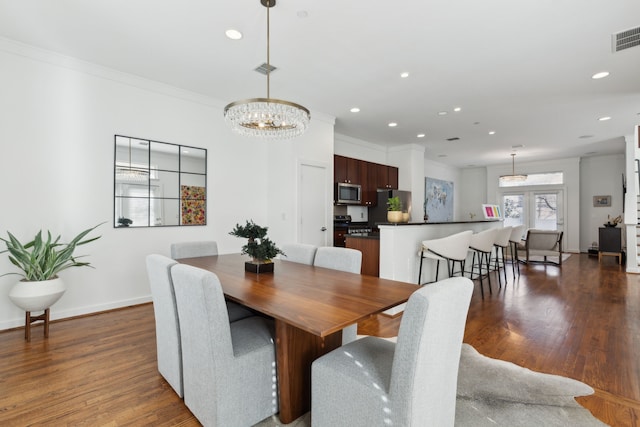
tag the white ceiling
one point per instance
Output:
(520, 68)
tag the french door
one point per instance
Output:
(540, 209)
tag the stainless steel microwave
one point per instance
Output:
(348, 194)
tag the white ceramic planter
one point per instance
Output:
(37, 296)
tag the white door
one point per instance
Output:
(314, 205)
(540, 209)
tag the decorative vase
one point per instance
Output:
(259, 266)
(37, 295)
(394, 216)
(406, 217)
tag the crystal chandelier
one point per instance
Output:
(513, 177)
(267, 117)
(129, 173)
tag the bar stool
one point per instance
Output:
(501, 243)
(482, 245)
(451, 249)
(514, 240)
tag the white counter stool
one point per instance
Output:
(514, 240)
(451, 249)
(500, 244)
(482, 245)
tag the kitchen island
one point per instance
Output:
(400, 246)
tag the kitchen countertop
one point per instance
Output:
(435, 223)
(375, 236)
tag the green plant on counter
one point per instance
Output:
(394, 204)
(42, 259)
(259, 246)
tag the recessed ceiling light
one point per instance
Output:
(393, 124)
(355, 110)
(492, 132)
(421, 135)
(457, 109)
(604, 119)
(585, 136)
(590, 153)
(600, 75)
(442, 155)
(442, 113)
(517, 146)
(233, 34)
(404, 75)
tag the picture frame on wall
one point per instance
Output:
(601, 201)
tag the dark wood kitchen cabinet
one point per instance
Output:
(368, 180)
(339, 236)
(370, 248)
(387, 177)
(346, 169)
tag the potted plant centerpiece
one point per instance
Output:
(394, 209)
(40, 261)
(259, 247)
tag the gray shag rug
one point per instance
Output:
(494, 393)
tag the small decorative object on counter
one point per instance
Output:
(613, 222)
(259, 247)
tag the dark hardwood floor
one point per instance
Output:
(581, 320)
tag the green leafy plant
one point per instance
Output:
(259, 246)
(42, 259)
(394, 204)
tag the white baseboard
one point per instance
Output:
(79, 311)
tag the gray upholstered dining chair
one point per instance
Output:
(343, 259)
(229, 369)
(336, 258)
(201, 248)
(168, 347)
(299, 252)
(375, 382)
(194, 249)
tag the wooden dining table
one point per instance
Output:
(310, 307)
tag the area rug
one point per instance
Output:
(494, 393)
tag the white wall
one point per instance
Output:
(473, 193)
(599, 176)
(59, 120)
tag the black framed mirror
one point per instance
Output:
(158, 184)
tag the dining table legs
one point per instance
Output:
(296, 349)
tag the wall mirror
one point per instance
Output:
(158, 184)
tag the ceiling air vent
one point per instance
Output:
(262, 69)
(626, 39)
